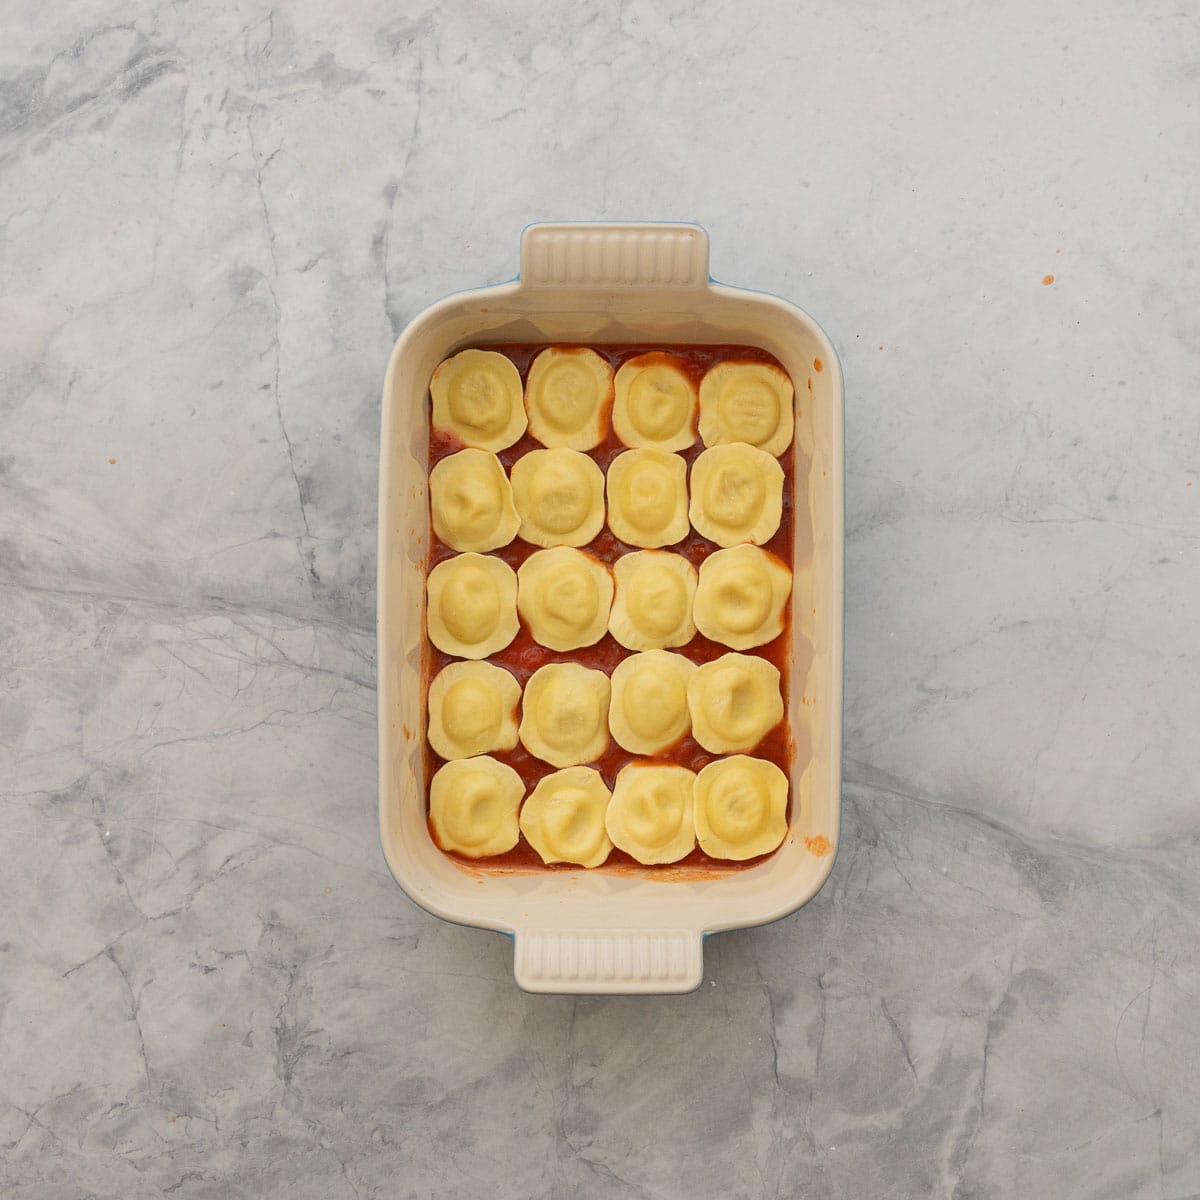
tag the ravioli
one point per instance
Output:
(650, 815)
(472, 605)
(734, 701)
(741, 597)
(746, 402)
(652, 608)
(737, 494)
(647, 498)
(598, 528)
(477, 397)
(740, 807)
(471, 501)
(648, 710)
(564, 596)
(473, 805)
(654, 405)
(564, 714)
(563, 819)
(473, 710)
(559, 496)
(568, 395)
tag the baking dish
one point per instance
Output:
(624, 930)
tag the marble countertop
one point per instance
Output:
(215, 220)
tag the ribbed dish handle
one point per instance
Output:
(620, 255)
(592, 961)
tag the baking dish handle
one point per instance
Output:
(668, 256)
(593, 961)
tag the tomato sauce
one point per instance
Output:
(524, 656)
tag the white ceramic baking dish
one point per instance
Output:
(623, 929)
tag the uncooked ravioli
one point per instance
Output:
(564, 714)
(473, 709)
(734, 702)
(648, 710)
(477, 397)
(568, 395)
(747, 402)
(655, 403)
(740, 807)
(652, 608)
(472, 605)
(563, 819)
(564, 596)
(737, 495)
(647, 498)
(741, 597)
(473, 805)
(471, 501)
(559, 495)
(650, 814)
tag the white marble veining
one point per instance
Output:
(215, 218)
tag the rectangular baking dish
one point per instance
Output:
(621, 930)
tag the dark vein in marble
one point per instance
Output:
(895, 1028)
(202, 606)
(259, 166)
(862, 775)
(27, 113)
(975, 1117)
(134, 1008)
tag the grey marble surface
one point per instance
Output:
(215, 218)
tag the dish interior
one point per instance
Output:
(687, 896)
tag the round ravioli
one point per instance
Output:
(471, 501)
(473, 805)
(477, 397)
(652, 608)
(650, 815)
(472, 605)
(568, 395)
(473, 710)
(737, 495)
(564, 716)
(746, 402)
(564, 596)
(734, 701)
(740, 807)
(563, 819)
(559, 496)
(654, 404)
(649, 707)
(741, 597)
(647, 498)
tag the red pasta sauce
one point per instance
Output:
(523, 655)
